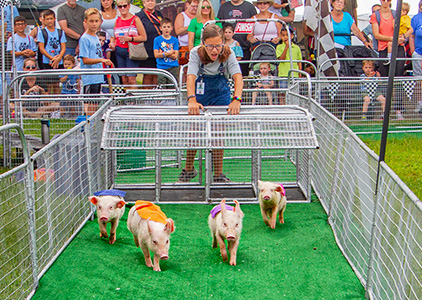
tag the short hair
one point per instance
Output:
(228, 25)
(265, 63)
(212, 31)
(92, 11)
(48, 12)
(406, 7)
(19, 19)
(30, 59)
(101, 33)
(332, 1)
(120, 1)
(166, 21)
(69, 57)
(368, 62)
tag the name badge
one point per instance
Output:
(200, 88)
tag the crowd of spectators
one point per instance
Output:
(119, 28)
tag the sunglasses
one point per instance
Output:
(204, 7)
(265, 3)
(30, 67)
(122, 6)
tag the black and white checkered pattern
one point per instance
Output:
(326, 50)
(4, 3)
(332, 90)
(370, 86)
(408, 87)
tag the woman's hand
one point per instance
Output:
(253, 40)
(112, 46)
(368, 44)
(275, 40)
(194, 107)
(234, 108)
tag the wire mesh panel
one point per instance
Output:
(172, 128)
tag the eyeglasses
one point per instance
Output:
(204, 7)
(122, 6)
(341, 1)
(211, 47)
(265, 3)
(20, 24)
(386, 0)
(30, 67)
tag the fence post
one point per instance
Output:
(370, 275)
(87, 133)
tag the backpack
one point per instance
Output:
(45, 35)
(378, 15)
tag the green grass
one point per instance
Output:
(403, 156)
(297, 260)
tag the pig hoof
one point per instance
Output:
(104, 235)
(232, 263)
(111, 241)
(225, 258)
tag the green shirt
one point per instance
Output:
(196, 28)
(284, 67)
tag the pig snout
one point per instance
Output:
(266, 197)
(164, 257)
(231, 235)
(103, 219)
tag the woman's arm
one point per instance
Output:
(360, 36)
(234, 106)
(193, 105)
(290, 18)
(191, 37)
(179, 29)
(412, 43)
(378, 36)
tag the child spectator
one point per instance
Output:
(34, 34)
(91, 53)
(52, 42)
(70, 83)
(166, 51)
(52, 45)
(370, 86)
(102, 36)
(283, 53)
(228, 30)
(404, 27)
(24, 44)
(265, 81)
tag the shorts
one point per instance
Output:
(123, 61)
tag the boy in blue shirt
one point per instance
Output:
(52, 45)
(24, 45)
(166, 51)
(91, 54)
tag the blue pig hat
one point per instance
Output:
(111, 192)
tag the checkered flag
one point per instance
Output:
(332, 90)
(409, 86)
(370, 86)
(4, 3)
(323, 26)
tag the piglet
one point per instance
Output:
(272, 200)
(225, 223)
(151, 231)
(109, 210)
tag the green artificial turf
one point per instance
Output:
(297, 260)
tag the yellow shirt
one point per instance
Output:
(404, 24)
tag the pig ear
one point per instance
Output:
(278, 188)
(149, 225)
(237, 209)
(120, 204)
(259, 183)
(223, 206)
(169, 226)
(93, 199)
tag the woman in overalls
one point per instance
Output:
(209, 65)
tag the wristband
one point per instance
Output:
(237, 98)
(164, 55)
(191, 96)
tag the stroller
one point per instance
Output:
(264, 52)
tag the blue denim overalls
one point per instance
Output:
(216, 90)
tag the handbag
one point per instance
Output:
(137, 51)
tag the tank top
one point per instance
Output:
(108, 26)
(183, 39)
(266, 31)
(122, 28)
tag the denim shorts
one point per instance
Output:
(123, 60)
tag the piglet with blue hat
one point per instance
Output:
(110, 208)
